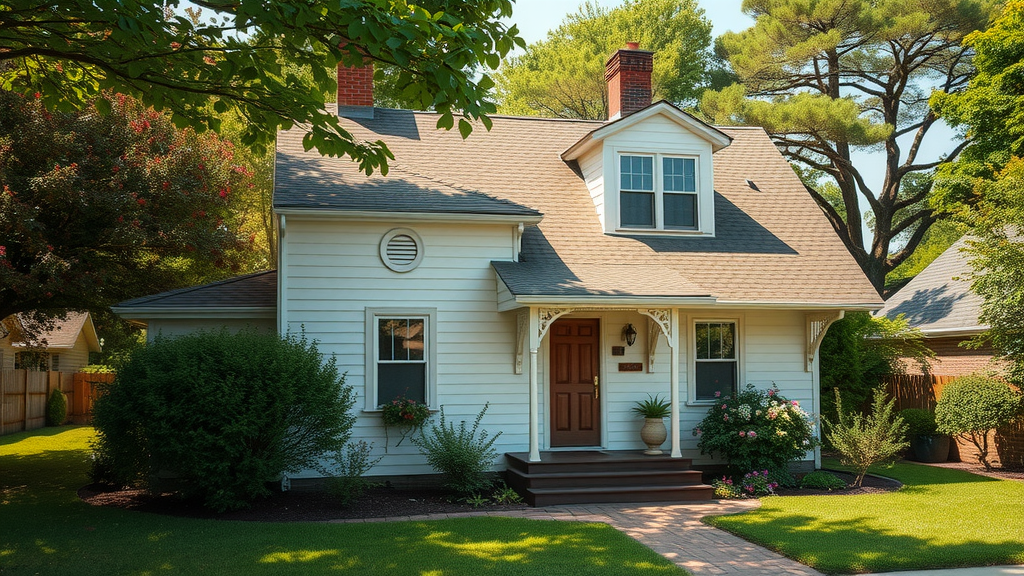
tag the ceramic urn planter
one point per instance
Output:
(653, 435)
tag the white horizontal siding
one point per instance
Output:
(592, 168)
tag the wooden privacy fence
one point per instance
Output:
(23, 395)
(915, 390)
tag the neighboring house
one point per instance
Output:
(557, 270)
(939, 302)
(63, 346)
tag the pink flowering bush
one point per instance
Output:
(756, 430)
(753, 484)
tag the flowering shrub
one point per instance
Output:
(404, 413)
(756, 430)
(754, 484)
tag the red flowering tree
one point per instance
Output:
(96, 208)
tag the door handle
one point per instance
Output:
(597, 390)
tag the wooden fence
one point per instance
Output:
(915, 390)
(23, 395)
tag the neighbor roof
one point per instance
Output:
(251, 291)
(773, 244)
(61, 334)
(939, 300)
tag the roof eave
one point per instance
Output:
(715, 137)
(951, 332)
(679, 301)
(336, 214)
(168, 312)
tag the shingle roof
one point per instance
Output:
(939, 299)
(773, 244)
(59, 333)
(257, 290)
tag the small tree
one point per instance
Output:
(974, 405)
(865, 440)
(56, 409)
(224, 413)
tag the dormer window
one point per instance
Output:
(658, 192)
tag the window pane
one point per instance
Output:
(728, 341)
(680, 210)
(385, 338)
(636, 210)
(703, 345)
(636, 172)
(412, 340)
(402, 379)
(715, 377)
(680, 174)
(715, 336)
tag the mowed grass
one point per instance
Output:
(939, 519)
(46, 529)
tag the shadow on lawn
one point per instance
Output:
(813, 541)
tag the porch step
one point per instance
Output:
(581, 477)
(618, 494)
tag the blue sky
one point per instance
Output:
(536, 17)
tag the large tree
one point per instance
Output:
(562, 76)
(985, 187)
(96, 208)
(69, 51)
(826, 78)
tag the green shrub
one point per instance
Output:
(459, 453)
(352, 463)
(865, 440)
(756, 430)
(920, 422)
(724, 489)
(971, 406)
(223, 414)
(822, 480)
(56, 408)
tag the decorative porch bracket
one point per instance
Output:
(659, 322)
(817, 326)
(522, 326)
(547, 317)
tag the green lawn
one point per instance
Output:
(45, 529)
(939, 519)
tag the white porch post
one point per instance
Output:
(673, 342)
(534, 386)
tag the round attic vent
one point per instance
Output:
(401, 250)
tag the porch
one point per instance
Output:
(587, 477)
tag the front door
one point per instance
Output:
(575, 388)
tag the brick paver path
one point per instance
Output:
(674, 531)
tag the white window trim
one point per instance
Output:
(429, 343)
(659, 193)
(691, 355)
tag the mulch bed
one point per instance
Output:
(296, 505)
(871, 485)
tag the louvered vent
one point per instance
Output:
(401, 250)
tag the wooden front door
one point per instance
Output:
(575, 388)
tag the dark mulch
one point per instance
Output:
(297, 505)
(871, 485)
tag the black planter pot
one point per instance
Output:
(932, 448)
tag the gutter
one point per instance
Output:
(328, 214)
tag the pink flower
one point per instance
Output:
(718, 394)
(752, 434)
(724, 406)
(795, 403)
(726, 417)
(742, 433)
(771, 392)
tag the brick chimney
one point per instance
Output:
(628, 73)
(355, 90)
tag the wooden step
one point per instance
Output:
(517, 478)
(617, 494)
(604, 461)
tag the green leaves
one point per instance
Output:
(70, 50)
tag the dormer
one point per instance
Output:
(649, 168)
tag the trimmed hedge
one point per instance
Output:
(221, 414)
(973, 405)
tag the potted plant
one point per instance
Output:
(405, 414)
(926, 444)
(653, 410)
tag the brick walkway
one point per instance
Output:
(674, 531)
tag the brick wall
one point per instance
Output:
(951, 359)
(355, 85)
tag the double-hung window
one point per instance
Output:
(401, 355)
(658, 192)
(717, 366)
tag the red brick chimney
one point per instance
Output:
(628, 73)
(355, 90)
